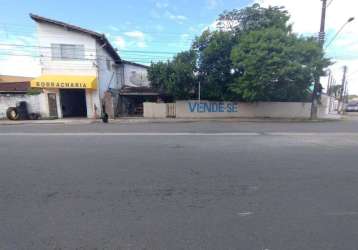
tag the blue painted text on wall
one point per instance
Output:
(212, 107)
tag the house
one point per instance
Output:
(82, 74)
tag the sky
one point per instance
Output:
(153, 30)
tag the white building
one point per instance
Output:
(82, 72)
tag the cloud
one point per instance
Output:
(21, 57)
(20, 66)
(212, 4)
(177, 18)
(142, 44)
(138, 38)
(161, 5)
(113, 28)
(135, 34)
(120, 42)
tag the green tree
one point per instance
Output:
(214, 64)
(335, 90)
(177, 77)
(274, 65)
(254, 17)
(253, 56)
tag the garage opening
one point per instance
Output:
(73, 102)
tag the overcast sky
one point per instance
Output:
(160, 28)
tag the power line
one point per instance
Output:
(329, 3)
(81, 60)
(144, 31)
(91, 50)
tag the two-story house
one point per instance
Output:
(82, 73)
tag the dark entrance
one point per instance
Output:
(132, 105)
(73, 102)
(52, 104)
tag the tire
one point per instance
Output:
(105, 117)
(34, 116)
(12, 114)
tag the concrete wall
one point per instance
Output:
(154, 110)
(206, 109)
(35, 103)
(135, 76)
(107, 76)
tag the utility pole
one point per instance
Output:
(343, 88)
(329, 89)
(329, 84)
(316, 89)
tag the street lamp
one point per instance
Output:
(339, 31)
(314, 106)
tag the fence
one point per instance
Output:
(207, 109)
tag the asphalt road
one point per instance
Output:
(246, 189)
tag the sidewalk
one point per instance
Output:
(55, 121)
(137, 120)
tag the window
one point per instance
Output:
(67, 52)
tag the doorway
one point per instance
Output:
(52, 105)
(73, 103)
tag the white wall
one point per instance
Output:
(205, 109)
(195, 109)
(51, 34)
(35, 103)
(135, 76)
(107, 77)
(154, 110)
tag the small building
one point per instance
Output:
(135, 89)
(14, 89)
(82, 73)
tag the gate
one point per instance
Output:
(171, 110)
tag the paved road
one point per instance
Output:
(180, 191)
(348, 125)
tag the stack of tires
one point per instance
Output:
(20, 112)
(12, 114)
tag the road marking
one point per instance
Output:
(343, 214)
(311, 134)
(129, 134)
(244, 214)
(180, 134)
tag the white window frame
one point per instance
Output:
(65, 52)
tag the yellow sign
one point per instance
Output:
(64, 82)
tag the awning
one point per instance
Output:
(64, 82)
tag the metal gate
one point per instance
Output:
(171, 110)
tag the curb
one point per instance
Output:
(169, 120)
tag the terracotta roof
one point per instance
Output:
(8, 79)
(14, 87)
(101, 38)
(128, 89)
(135, 64)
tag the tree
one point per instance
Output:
(214, 64)
(253, 56)
(177, 77)
(335, 91)
(273, 65)
(254, 18)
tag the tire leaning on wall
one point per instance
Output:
(12, 114)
